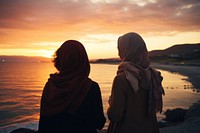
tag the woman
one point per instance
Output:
(71, 102)
(137, 91)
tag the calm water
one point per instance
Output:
(21, 86)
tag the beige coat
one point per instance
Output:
(128, 110)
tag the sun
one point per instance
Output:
(47, 53)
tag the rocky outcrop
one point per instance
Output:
(189, 125)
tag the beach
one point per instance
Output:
(192, 72)
(192, 118)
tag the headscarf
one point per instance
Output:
(135, 64)
(132, 48)
(65, 90)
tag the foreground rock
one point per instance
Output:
(189, 125)
(173, 117)
(23, 130)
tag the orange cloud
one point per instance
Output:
(24, 23)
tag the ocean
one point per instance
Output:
(21, 86)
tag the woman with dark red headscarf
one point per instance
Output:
(137, 90)
(71, 102)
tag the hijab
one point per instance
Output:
(135, 64)
(132, 48)
(65, 90)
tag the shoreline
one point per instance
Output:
(192, 72)
(192, 118)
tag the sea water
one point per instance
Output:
(21, 86)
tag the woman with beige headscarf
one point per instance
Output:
(137, 91)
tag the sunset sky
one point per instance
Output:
(39, 27)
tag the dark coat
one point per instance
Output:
(87, 119)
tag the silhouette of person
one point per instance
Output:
(137, 91)
(71, 102)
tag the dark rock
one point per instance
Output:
(189, 125)
(194, 111)
(23, 130)
(175, 115)
(163, 123)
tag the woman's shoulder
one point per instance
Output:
(94, 84)
(120, 77)
(120, 80)
(94, 88)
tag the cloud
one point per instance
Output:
(55, 20)
(35, 14)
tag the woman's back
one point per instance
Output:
(131, 110)
(87, 119)
(71, 102)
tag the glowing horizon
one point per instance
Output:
(33, 28)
